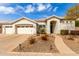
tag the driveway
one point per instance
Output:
(9, 42)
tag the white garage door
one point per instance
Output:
(8, 30)
(25, 30)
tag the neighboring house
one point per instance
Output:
(53, 24)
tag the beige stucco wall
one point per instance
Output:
(57, 27)
(41, 23)
(68, 26)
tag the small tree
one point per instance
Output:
(72, 13)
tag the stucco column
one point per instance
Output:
(48, 28)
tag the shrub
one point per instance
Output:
(64, 32)
(76, 23)
(70, 38)
(43, 31)
(32, 40)
(44, 37)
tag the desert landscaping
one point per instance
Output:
(72, 41)
(42, 44)
(38, 43)
(12, 44)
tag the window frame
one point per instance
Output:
(8, 26)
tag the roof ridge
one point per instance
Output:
(24, 18)
(44, 19)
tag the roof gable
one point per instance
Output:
(48, 18)
(23, 18)
(54, 17)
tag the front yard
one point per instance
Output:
(44, 43)
(72, 41)
(38, 43)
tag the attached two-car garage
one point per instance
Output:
(21, 26)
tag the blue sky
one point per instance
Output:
(13, 11)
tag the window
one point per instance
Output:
(70, 21)
(61, 21)
(8, 26)
(66, 21)
(41, 26)
(25, 26)
(18, 26)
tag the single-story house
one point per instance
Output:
(52, 24)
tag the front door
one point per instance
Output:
(52, 26)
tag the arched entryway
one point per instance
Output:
(52, 26)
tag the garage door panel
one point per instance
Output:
(25, 30)
(9, 31)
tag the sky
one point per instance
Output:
(13, 11)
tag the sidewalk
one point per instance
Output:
(62, 47)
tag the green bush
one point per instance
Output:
(76, 23)
(64, 32)
(41, 29)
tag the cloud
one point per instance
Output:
(48, 5)
(18, 7)
(6, 10)
(29, 8)
(55, 9)
(35, 7)
(42, 6)
(50, 9)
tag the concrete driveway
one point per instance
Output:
(9, 42)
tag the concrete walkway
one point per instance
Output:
(62, 47)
